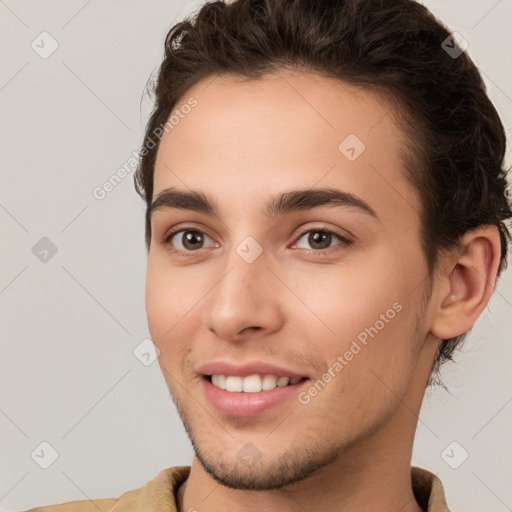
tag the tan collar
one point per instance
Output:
(428, 490)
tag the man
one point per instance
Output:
(327, 161)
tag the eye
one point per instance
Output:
(189, 241)
(320, 240)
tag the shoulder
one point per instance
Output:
(77, 506)
(154, 495)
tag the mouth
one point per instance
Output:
(251, 395)
(255, 383)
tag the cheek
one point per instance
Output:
(367, 317)
(169, 325)
(365, 379)
(169, 301)
(371, 298)
(342, 303)
(155, 301)
(387, 347)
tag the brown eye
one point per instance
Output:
(320, 240)
(187, 239)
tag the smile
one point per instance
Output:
(251, 383)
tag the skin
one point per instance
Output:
(350, 447)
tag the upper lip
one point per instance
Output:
(249, 368)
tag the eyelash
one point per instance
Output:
(316, 252)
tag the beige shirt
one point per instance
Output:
(159, 495)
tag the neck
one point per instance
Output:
(373, 476)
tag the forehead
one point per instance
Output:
(246, 140)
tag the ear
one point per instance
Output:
(465, 282)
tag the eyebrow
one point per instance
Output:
(286, 202)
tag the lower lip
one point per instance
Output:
(248, 404)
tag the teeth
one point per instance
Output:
(219, 381)
(234, 383)
(283, 381)
(269, 382)
(252, 383)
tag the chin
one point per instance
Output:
(248, 468)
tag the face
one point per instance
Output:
(273, 277)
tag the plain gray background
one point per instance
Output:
(70, 325)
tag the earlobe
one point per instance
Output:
(467, 282)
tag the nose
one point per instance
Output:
(246, 300)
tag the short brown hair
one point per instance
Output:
(397, 47)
